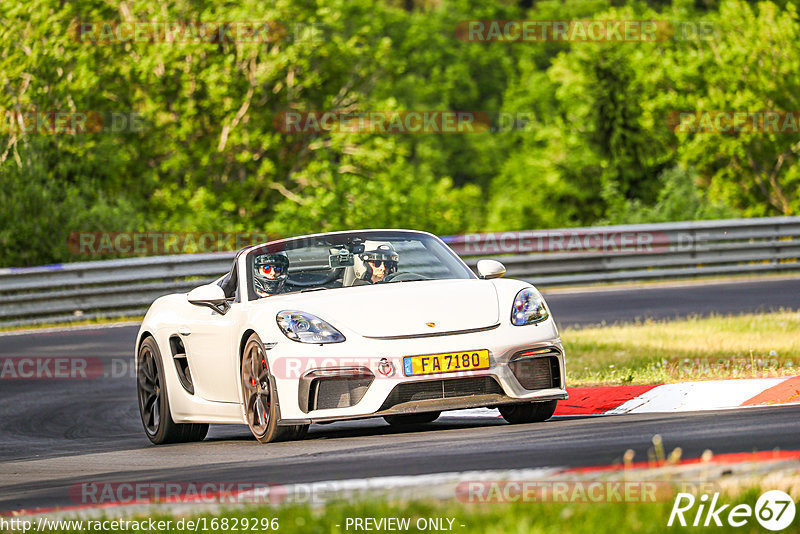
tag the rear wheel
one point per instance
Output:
(530, 412)
(154, 403)
(412, 418)
(260, 395)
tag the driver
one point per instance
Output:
(378, 261)
(271, 271)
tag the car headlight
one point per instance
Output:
(306, 328)
(528, 308)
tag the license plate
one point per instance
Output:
(450, 362)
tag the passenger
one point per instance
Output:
(376, 263)
(271, 271)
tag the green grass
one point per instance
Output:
(489, 518)
(744, 346)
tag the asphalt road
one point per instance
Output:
(58, 433)
(672, 301)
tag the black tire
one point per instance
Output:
(530, 412)
(412, 418)
(263, 415)
(154, 404)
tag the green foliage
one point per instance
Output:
(679, 199)
(594, 143)
(753, 65)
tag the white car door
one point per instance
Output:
(212, 352)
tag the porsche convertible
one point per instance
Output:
(346, 325)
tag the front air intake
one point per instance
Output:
(325, 389)
(337, 393)
(181, 364)
(536, 370)
(441, 389)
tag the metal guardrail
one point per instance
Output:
(547, 258)
(110, 288)
(640, 252)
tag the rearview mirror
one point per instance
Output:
(211, 296)
(490, 269)
(341, 258)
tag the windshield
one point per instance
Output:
(350, 259)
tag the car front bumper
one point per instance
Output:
(295, 366)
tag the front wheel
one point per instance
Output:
(530, 412)
(260, 396)
(154, 404)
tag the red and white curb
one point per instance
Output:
(708, 395)
(665, 398)
(713, 395)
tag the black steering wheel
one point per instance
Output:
(310, 279)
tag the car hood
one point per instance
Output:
(403, 308)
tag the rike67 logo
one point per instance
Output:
(774, 510)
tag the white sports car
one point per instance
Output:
(346, 325)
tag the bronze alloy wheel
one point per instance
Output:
(260, 406)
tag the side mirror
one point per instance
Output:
(211, 296)
(490, 269)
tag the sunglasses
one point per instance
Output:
(376, 263)
(269, 269)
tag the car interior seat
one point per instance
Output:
(349, 276)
